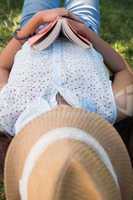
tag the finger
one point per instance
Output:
(74, 17)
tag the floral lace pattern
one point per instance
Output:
(63, 67)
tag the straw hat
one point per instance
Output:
(68, 154)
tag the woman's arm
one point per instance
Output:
(6, 60)
(7, 55)
(9, 52)
(112, 59)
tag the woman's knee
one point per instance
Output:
(124, 102)
(123, 93)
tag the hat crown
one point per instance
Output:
(90, 123)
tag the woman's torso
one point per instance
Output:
(78, 74)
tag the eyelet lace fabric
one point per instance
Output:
(78, 74)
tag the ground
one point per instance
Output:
(116, 27)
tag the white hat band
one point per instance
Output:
(53, 136)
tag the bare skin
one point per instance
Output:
(115, 62)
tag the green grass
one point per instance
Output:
(1, 192)
(9, 19)
(116, 27)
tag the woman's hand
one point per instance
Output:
(79, 27)
(40, 18)
(7, 55)
(51, 14)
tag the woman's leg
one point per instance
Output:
(123, 92)
(31, 7)
(87, 10)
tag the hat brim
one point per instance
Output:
(65, 116)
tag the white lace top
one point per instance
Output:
(78, 74)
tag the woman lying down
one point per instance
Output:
(33, 82)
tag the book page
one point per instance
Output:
(51, 36)
(71, 34)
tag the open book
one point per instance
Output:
(47, 35)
